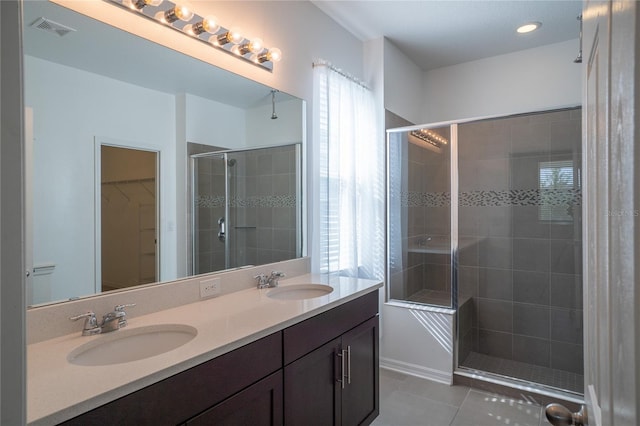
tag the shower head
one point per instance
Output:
(578, 59)
(273, 105)
(231, 162)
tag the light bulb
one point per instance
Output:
(208, 25)
(274, 54)
(231, 36)
(255, 45)
(139, 4)
(179, 12)
(235, 36)
(527, 28)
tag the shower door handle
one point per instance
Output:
(221, 230)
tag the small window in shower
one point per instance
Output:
(557, 184)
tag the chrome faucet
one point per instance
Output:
(274, 277)
(111, 321)
(269, 281)
(90, 323)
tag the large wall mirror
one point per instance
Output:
(147, 165)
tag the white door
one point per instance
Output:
(611, 207)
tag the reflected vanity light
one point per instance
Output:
(206, 29)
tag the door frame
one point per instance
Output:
(98, 143)
(611, 225)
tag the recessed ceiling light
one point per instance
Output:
(528, 27)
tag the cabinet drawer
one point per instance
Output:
(178, 398)
(314, 332)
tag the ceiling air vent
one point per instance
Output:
(52, 26)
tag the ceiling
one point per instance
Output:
(432, 33)
(440, 33)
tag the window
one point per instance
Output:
(349, 165)
(557, 183)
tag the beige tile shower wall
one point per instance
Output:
(524, 274)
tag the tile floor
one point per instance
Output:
(411, 401)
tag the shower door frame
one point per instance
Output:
(454, 188)
(223, 155)
(453, 214)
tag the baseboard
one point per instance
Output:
(417, 370)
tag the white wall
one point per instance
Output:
(402, 84)
(213, 123)
(261, 130)
(529, 80)
(68, 117)
(418, 342)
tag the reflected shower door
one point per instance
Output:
(210, 213)
(246, 207)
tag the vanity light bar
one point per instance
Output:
(430, 137)
(205, 29)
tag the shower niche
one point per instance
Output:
(485, 218)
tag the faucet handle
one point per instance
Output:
(90, 323)
(274, 277)
(118, 312)
(263, 280)
(120, 308)
(90, 316)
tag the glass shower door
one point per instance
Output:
(419, 216)
(210, 213)
(246, 207)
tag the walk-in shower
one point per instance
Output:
(484, 217)
(245, 207)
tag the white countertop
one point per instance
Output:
(58, 390)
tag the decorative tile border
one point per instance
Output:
(514, 197)
(213, 201)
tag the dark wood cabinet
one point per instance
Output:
(178, 398)
(336, 383)
(310, 391)
(360, 396)
(258, 405)
(321, 371)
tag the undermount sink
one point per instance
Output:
(132, 344)
(299, 291)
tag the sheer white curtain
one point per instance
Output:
(349, 170)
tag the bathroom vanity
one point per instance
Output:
(255, 360)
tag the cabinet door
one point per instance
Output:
(310, 388)
(360, 398)
(258, 405)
